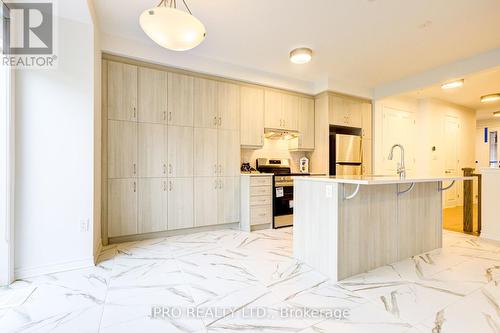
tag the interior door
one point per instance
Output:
(122, 149)
(451, 158)
(150, 214)
(180, 203)
(228, 105)
(205, 152)
(205, 103)
(206, 191)
(122, 91)
(180, 151)
(152, 160)
(180, 100)
(152, 96)
(229, 200)
(122, 207)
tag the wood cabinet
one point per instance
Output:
(180, 100)
(122, 149)
(305, 141)
(290, 112)
(252, 117)
(122, 91)
(180, 203)
(180, 151)
(228, 153)
(152, 153)
(122, 207)
(228, 106)
(367, 120)
(345, 111)
(206, 190)
(152, 204)
(205, 103)
(229, 200)
(281, 110)
(205, 152)
(152, 98)
(367, 157)
(256, 197)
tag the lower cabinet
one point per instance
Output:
(256, 198)
(152, 205)
(122, 207)
(180, 203)
(205, 200)
(229, 200)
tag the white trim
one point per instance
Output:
(22, 273)
(489, 237)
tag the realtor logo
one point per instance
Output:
(28, 33)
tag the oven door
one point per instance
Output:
(283, 206)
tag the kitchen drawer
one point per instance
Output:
(261, 214)
(260, 190)
(261, 181)
(261, 200)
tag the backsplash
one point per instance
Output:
(273, 149)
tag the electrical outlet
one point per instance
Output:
(329, 191)
(84, 225)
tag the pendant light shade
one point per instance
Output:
(172, 28)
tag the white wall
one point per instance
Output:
(483, 148)
(54, 158)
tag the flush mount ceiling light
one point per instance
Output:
(301, 55)
(453, 84)
(172, 28)
(490, 98)
(496, 114)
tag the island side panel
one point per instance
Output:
(368, 233)
(420, 215)
(315, 221)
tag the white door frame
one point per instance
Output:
(7, 158)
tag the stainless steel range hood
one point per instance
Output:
(280, 134)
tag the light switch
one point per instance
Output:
(329, 191)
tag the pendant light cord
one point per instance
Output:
(173, 4)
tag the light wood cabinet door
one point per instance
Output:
(205, 152)
(152, 195)
(305, 140)
(180, 100)
(252, 117)
(122, 149)
(354, 114)
(273, 109)
(180, 151)
(152, 159)
(205, 103)
(367, 157)
(206, 191)
(152, 96)
(180, 203)
(122, 91)
(228, 152)
(290, 112)
(228, 105)
(229, 200)
(122, 207)
(367, 120)
(337, 111)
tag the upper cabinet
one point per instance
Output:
(122, 91)
(180, 100)
(252, 117)
(305, 141)
(281, 110)
(228, 105)
(344, 111)
(205, 103)
(367, 120)
(152, 96)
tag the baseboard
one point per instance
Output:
(22, 273)
(133, 238)
(489, 237)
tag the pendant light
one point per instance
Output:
(172, 28)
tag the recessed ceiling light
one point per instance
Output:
(490, 98)
(301, 55)
(496, 114)
(453, 84)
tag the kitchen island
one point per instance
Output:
(347, 225)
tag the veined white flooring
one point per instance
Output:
(233, 281)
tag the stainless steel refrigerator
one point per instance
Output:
(345, 154)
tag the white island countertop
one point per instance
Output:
(382, 180)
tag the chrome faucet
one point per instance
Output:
(401, 165)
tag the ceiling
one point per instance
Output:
(475, 86)
(363, 42)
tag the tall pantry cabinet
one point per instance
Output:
(171, 150)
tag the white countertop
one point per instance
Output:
(257, 174)
(382, 180)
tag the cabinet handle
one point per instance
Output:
(170, 116)
(215, 121)
(164, 169)
(135, 112)
(220, 184)
(170, 169)
(220, 170)
(164, 186)
(164, 115)
(170, 186)
(135, 168)
(220, 121)
(135, 186)
(215, 169)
